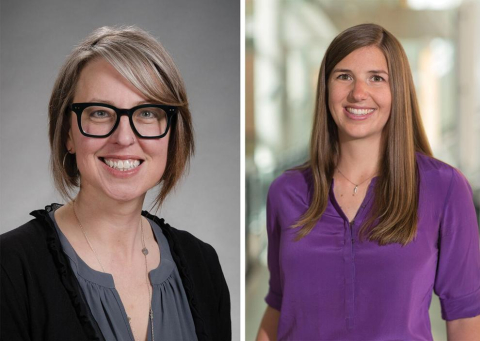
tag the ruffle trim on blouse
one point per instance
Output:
(82, 270)
(183, 270)
(67, 277)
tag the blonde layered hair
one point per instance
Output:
(143, 61)
(393, 218)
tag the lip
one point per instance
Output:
(122, 157)
(358, 118)
(118, 173)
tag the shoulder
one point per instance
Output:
(441, 180)
(24, 250)
(292, 184)
(441, 172)
(29, 241)
(438, 172)
(193, 244)
(26, 238)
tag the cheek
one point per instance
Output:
(85, 147)
(158, 151)
(335, 97)
(333, 104)
(85, 152)
(387, 102)
(160, 165)
(162, 156)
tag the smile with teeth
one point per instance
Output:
(359, 112)
(122, 165)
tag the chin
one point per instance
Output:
(358, 135)
(125, 195)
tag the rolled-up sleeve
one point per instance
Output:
(274, 296)
(457, 281)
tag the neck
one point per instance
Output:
(111, 223)
(359, 159)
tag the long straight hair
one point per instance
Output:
(393, 218)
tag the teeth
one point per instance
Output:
(359, 112)
(122, 165)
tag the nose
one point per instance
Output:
(124, 134)
(359, 91)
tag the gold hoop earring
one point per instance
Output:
(63, 163)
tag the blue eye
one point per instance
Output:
(149, 115)
(146, 114)
(100, 114)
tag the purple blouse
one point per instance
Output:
(330, 286)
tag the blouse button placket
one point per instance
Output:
(348, 255)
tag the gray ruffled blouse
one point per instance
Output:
(172, 317)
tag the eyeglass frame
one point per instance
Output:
(78, 109)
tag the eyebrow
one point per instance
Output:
(371, 71)
(99, 100)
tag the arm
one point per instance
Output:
(225, 323)
(457, 281)
(465, 329)
(14, 316)
(269, 325)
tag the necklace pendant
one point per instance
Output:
(355, 190)
(145, 251)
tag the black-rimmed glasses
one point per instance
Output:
(149, 121)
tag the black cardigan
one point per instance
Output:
(42, 300)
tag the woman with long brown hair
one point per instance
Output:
(362, 233)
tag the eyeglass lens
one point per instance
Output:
(148, 121)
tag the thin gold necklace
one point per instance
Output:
(356, 186)
(145, 253)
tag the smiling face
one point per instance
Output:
(359, 96)
(122, 166)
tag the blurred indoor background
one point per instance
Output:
(285, 43)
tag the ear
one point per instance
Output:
(70, 144)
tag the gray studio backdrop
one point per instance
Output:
(203, 37)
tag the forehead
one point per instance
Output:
(100, 80)
(364, 58)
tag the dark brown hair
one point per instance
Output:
(393, 218)
(143, 61)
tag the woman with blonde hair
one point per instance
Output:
(100, 268)
(362, 233)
